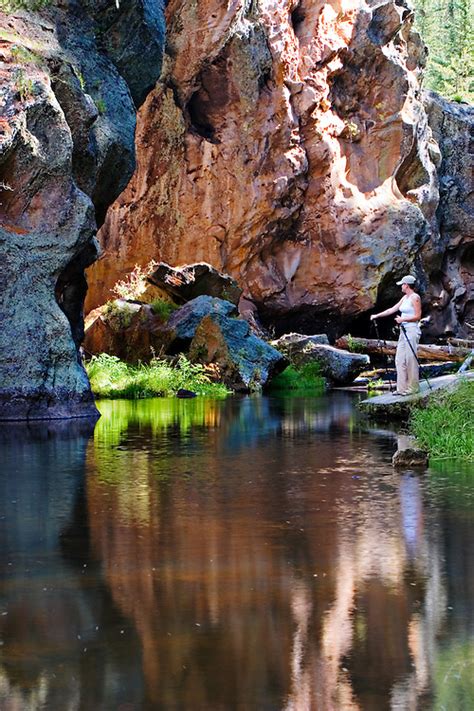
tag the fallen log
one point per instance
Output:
(462, 342)
(425, 352)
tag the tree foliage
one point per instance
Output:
(13, 5)
(446, 26)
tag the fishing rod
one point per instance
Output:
(374, 321)
(413, 351)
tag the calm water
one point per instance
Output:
(255, 553)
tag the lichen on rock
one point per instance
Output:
(66, 152)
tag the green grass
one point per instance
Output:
(446, 426)
(163, 308)
(112, 378)
(306, 377)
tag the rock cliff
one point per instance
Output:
(72, 75)
(450, 260)
(286, 144)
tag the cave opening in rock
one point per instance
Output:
(297, 17)
(198, 116)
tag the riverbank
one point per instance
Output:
(445, 427)
(112, 378)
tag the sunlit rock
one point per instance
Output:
(340, 367)
(131, 331)
(192, 280)
(186, 319)
(285, 144)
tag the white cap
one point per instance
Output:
(408, 279)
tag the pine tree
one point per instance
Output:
(446, 26)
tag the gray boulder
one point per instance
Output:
(244, 360)
(185, 320)
(66, 152)
(339, 367)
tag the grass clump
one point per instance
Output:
(305, 377)
(112, 378)
(446, 426)
(163, 308)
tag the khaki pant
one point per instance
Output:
(405, 362)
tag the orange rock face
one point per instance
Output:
(287, 146)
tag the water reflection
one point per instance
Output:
(59, 631)
(254, 553)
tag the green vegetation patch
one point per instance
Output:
(112, 378)
(31, 5)
(305, 377)
(163, 308)
(446, 26)
(446, 426)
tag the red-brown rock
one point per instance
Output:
(130, 331)
(287, 147)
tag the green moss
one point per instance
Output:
(112, 378)
(101, 106)
(118, 316)
(306, 377)
(445, 426)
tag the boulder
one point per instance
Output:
(131, 331)
(244, 360)
(410, 458)
(338, 366)
(185, 320)
(188, 282)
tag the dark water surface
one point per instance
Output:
(254, 553)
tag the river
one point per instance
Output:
(249, 553)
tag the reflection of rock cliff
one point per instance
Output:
(66, 152)
(265, 575)
(61, 646)
(286, 144)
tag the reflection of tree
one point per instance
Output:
(273, 573)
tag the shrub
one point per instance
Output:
(31, 5)
(134, 284)
(119, 316)
(101, 106)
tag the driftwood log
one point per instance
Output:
(425, 352)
